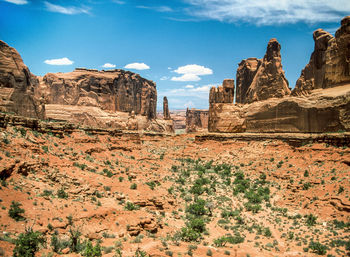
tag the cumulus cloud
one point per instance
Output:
(191, 91)
(66, 10)
(269, 12)
(61, 61)
(164, 78)
(18, 2)
(189, 86)
(186, 77)
(108, 65)
(137, 66)
(191, 72)
(194, 69)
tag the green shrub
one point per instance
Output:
(311, 220)
(27, 244)
(62, 194)
(130, 206)
(222, 241)
(92, 251)
(133, 186)
(318, 248)
(15, 211)
(197, 208)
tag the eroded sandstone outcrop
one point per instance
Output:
(166, 113)
(196, 120)
(112, 90)
(246, 72)
(269, 80)
(224, 93)
(326, 110)
(17, 85)
(329, 64)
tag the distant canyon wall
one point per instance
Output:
(196, 120)
(111, 99)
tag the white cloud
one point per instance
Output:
(191, 72)
(269, 12)
(137, 66)
(205, 89)
(201, 92)
(169, 68)
(66, 10)
(61, 61)
(164, 78)
(108, 65)
(18, 2)
(194, 69)
(186, 77)
(189, 86)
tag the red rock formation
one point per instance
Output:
(166, 113)
(269, 80)
(17, 85)
(326, 110)
(196, 120)
(224, 93)
(114, 90)
(246, 72)
(329, 64)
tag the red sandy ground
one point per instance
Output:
(97, 202)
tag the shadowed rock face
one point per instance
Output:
(115, 90)
(246, 72)
(269, 80)
(17, 85)
(166, 113)
(196, 120)
(329, 64)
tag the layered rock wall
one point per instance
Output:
(114, 90)
(196, 120)
(326, 110)
(329, 64)
(17, 85)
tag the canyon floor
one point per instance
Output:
(134, 195)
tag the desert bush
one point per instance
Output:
(15, 211)
(92, 251)
(318, 248)
(27, 244)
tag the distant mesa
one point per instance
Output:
(107, 99)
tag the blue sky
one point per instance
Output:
(185, 46)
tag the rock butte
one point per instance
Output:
(319, 103)
(111, 99)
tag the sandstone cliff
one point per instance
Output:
(224, 93)
(114, 90)
(269, 80)
(196, 120)
(17, 85)
(246, 72)
(329, 64)
(325, 110)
